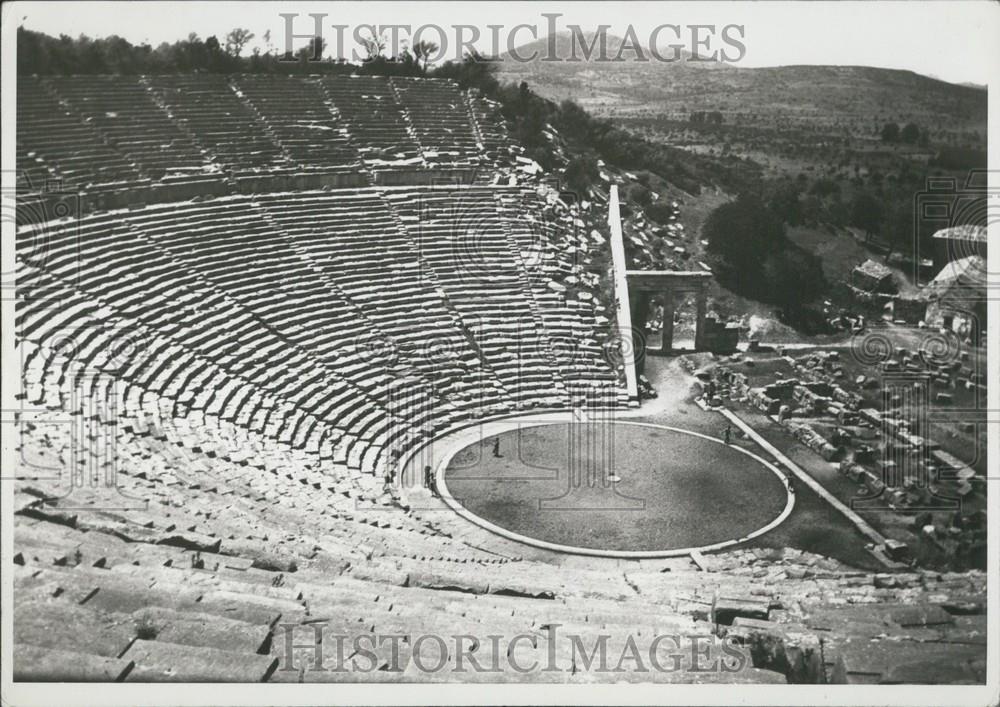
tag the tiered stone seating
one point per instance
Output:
(207, 108)
(241, 541)
(123, 110)
(352, 238)
(382, 340)
(218, 579)
(54, 143)
(490, 128)
(298, 115)
(168, 138)
(556, 253)
(440, 117)
(376, 121)
(461, 237)
(194, 340)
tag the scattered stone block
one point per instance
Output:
(896, 549)
(725, 609)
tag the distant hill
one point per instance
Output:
(853, 98)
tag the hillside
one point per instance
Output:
(847, 99)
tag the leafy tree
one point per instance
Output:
(890, 132)
(898, 227)
(422, 51)
(373, 45)
(793, 278)
(237, 39)
(824, 187)
(660, 213)
(472, 72)
(744, 232)
(910, 134)
(866, 213)
(785, 203)
(812, 209)
(640, 195)
(580, 173)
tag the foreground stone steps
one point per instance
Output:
(157, 661)
(135, 607)
(860, 662)
(38, 664)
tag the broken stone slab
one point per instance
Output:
(437, 580)
(789, 648)
(42, 511)
(521, 589)
(38, 664)
(725, 609)
(260, 558)
(157, 661)
(190, 540)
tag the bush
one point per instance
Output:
(792, 278)
(145, 629)
(660, 213)
(744, 232)
(640, 195)
(580, 173)
(890, 132)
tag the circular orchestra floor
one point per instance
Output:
(629, 488)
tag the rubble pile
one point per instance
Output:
(887, 451)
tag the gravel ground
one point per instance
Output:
(676, 490)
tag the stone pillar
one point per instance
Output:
(699, 331)
(668, 321)
(639, 304)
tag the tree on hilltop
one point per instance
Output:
(237, 39)
(422, 52)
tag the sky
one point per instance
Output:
(957, 41)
